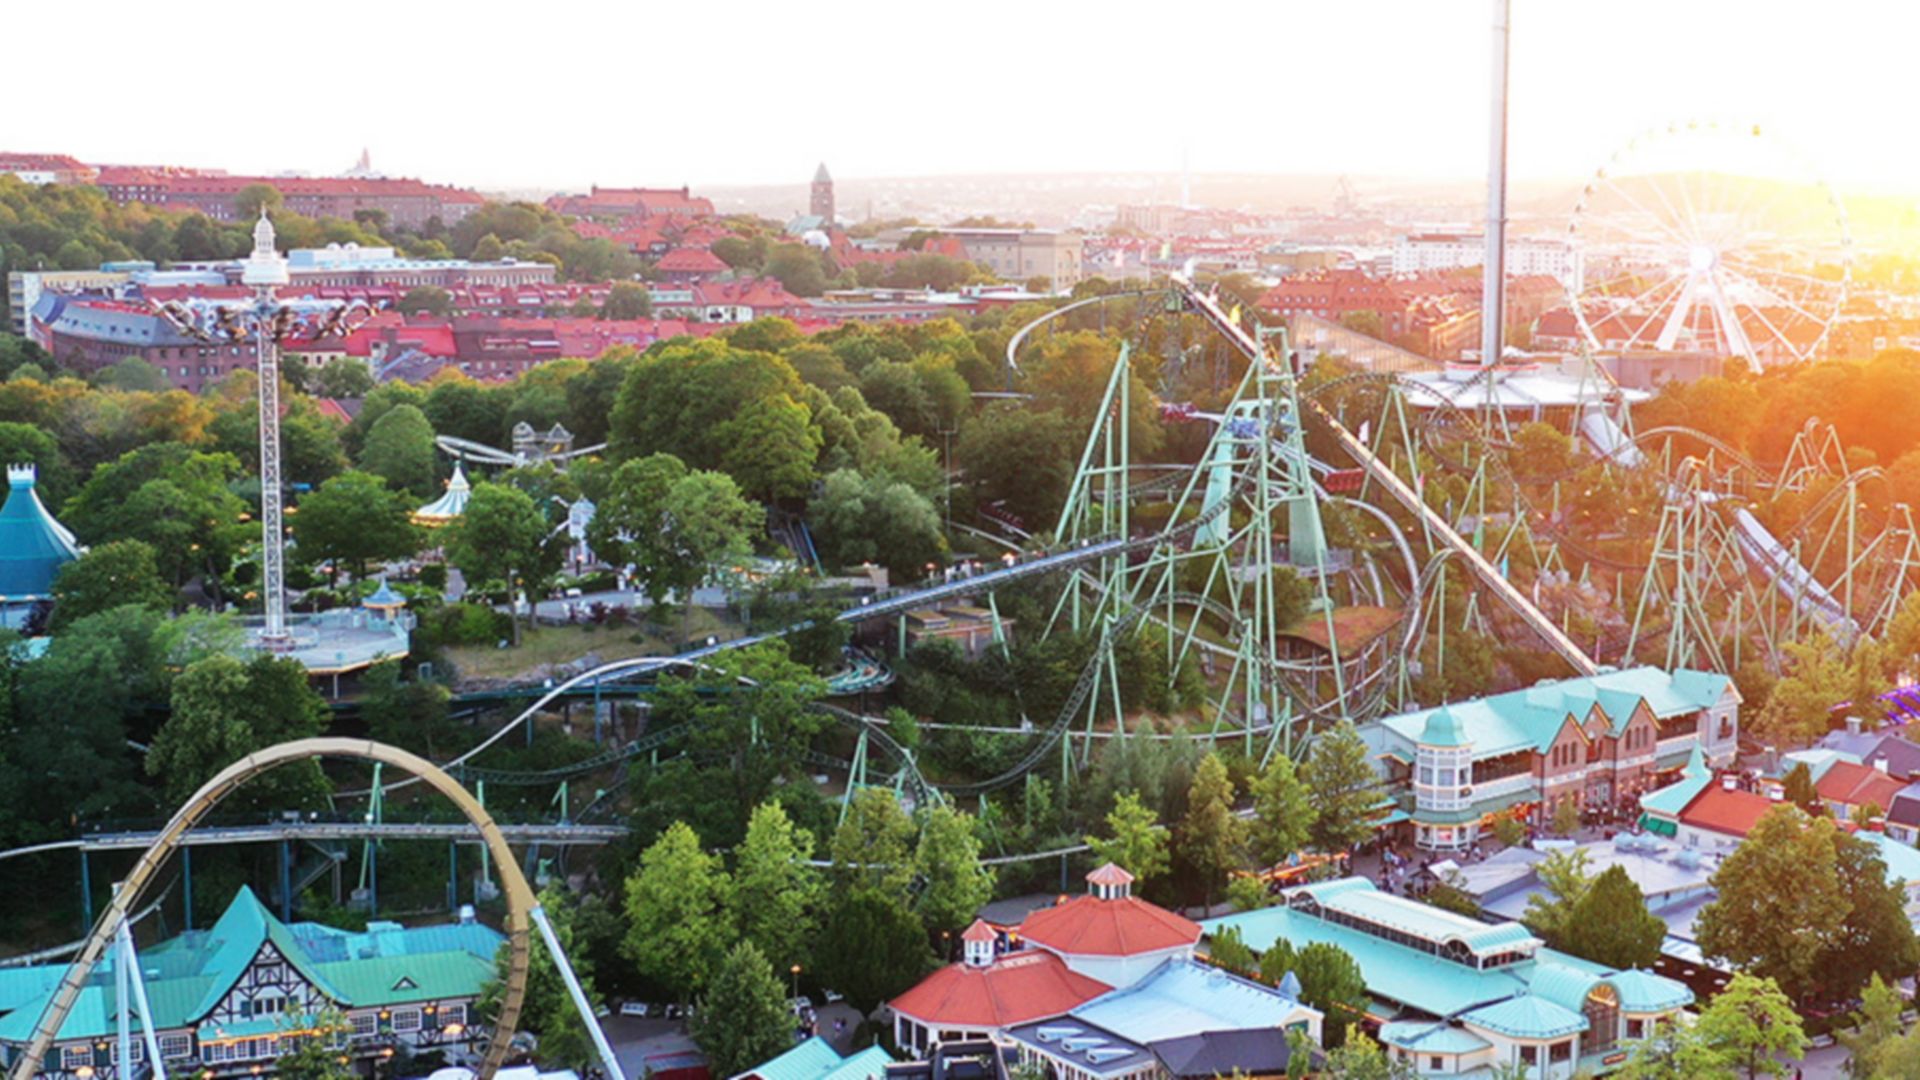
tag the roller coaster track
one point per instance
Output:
(1437, 526)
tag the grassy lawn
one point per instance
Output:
(549, 645)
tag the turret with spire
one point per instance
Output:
(265, 267)
(821, 205)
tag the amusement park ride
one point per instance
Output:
(1375, 491)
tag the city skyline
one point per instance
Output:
(1584, 81)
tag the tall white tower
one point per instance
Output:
(265, 270)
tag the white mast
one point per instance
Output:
(1493, 285)
(265, 270)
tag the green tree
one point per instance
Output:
(627, 300)
(1228, 951)
(1563, 882)
(356, 518)
(548, 1009)
(1508, 830)
(676, 906)
(743, 1018)
(1358, 1057)
(797, 268)
(1331, 982)
(426, 300)
(719, 407)
(1876, 937)
(776, 894)
(1611, 924)
(871, 947)
(343, 378)
(1876, 1028)
(1138, 843)
(1339, 774)
(1566, 817)
(671, 524)
(872, 848)
(133, 374)
(250, 200)
(223, 710)
(172, 497)
(1210, 835)
(1800, 790)
(1021, 458)
(857, 520)
(1750, 1027)
(501, 536)
(1282, 812)
(399, 449)
(411, 714)
(106, 577)
(947, 861)
(1777, 895)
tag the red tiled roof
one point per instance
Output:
(1128, 926)
(1732, 812)
(687, 260)
(1110, 874)
(1857, 785)
(979, 931)
(1025, 986)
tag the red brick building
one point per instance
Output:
(407, 203)
(642, 204)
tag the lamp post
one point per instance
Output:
(267, 321)
(795, 969)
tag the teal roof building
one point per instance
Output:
(816, 1059)
(225, 999)
(1593, 740)
(1459, 997)
(33, 546)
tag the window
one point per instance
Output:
(1560, 1051)
(1435, 1063)
(74, 1057)
(1529, 1055)
(364, 1024)
(175, 1046)
(406, 1019)
(1636, 1029)
(453, 1014)
(138, 1050)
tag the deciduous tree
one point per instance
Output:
(1777, 897)
(1210, 835)
(743, 1019)
(776, 894)
(399, 450)
(1611, 925)
(677, 925)
(947, 861)
(1283, 812)
(356, 518)
(106, 577)
(1138, 842)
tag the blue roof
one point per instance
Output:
(1442, 729)
(1184, 997)
(1645, 992)
(1528, 1017)
(33, 546)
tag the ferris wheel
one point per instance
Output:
(1709, 237)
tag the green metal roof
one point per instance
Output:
(1645, 992)
(1668, 801)
(387, 980)
(816, 1059)
(1528, 1017)
(1431, 1037)
(1564, 986)
(1440, 987)
(1442, 729)
(1530, 719)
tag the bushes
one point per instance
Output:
(463, 624)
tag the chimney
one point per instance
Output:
(1880, 763)
(1729, 782)
(466, 913)
(1853, 725)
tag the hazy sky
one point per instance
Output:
(563, 94)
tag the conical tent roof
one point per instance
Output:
(451, 504)
(33, 546)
